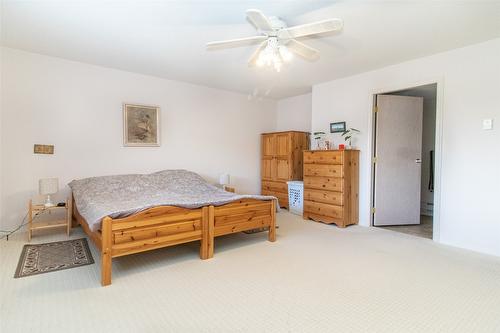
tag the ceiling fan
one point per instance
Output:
(277, 41)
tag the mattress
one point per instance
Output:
(123, 195)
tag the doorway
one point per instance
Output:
(403, 174)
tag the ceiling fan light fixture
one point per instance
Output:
(273, 55)
(265, 57)
(273, 34)
(285, 54)
(277, 65)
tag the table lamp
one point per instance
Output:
(48, 186)
(224, 180)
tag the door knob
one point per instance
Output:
(418, 160)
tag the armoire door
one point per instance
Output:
(269, 145)
(268, 168)
(283, 147)
(282, 144)
(282, 169)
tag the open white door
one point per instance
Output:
(398, 148)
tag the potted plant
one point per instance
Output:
(348, 136)
(319, 137)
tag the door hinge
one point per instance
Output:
(373, 210)
(375, 109)
(374, 160)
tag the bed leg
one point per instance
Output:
(204, 234)
(272, 226)
(74, 220)
(211, 226)
(106, 251)
(207, 235)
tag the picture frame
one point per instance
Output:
(338, 127)
(141, 125)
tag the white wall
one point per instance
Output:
(294, 113)
(78, 108)
(470, 183)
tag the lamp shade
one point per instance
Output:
(47, 186)
(224, 179)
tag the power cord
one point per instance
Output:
(23, 223)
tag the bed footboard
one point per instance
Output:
(242, 215)
(151, 229)
(164, 226)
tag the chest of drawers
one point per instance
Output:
(331, 186)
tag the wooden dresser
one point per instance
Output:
(331, 186)
(281, 162)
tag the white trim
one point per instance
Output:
(438, 148)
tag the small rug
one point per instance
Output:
(55, 256)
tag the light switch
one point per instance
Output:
(487, 124)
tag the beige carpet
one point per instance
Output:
(315, 278)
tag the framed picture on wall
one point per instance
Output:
(338, 127)
(141, 125)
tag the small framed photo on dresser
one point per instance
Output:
(338, 127)
(141, 125)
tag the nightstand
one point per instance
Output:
(39, 210)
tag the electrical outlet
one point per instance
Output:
(487, 124)
(43, 149)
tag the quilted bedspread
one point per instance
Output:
(123, 195)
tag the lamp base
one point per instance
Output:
(48, 202)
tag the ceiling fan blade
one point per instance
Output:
(311, 28)
(303, 50)
(235, 42)
(252, 61)
(259, 20)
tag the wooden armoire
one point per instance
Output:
(281, 162)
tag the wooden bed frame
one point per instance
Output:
(164, 226)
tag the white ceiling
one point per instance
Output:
(167, 38)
